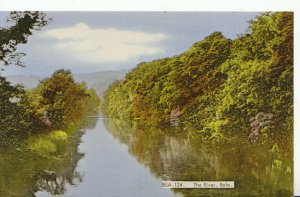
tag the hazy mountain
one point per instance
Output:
(98, 80)
(28, 81)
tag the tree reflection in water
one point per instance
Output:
(171, 154)
(23, 173)
(55, 184)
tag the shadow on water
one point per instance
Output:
(23, 173)
(171, 154)
(168, 153)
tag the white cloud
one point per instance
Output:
(98, 45)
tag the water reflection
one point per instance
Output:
(23, 173)
(55, 184)
(173, 155)
(169, 154)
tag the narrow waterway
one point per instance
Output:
(114, 158)
(108, 170)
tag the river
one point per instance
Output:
(113, 158)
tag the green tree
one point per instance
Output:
(15, 110)
(60, 98)
(15, 115)
(218, 85)
(199, 71)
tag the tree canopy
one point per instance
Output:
(57, 102)
(219, 86)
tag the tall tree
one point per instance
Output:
(14, 109)
(60, 98)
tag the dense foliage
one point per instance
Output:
(222, 88)
(14, 107)
(56, 103)
(61, 100)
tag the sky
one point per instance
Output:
(86, 42)
(44, 64)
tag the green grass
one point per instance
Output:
(58, 136)
(47, 144)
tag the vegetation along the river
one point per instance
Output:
(225, 90)
(48, 111)
(218, 101)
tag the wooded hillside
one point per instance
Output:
(219, 87)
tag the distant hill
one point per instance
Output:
(28, 81)
(98, 80)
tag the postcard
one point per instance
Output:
(146, 103)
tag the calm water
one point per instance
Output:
(113, 158)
